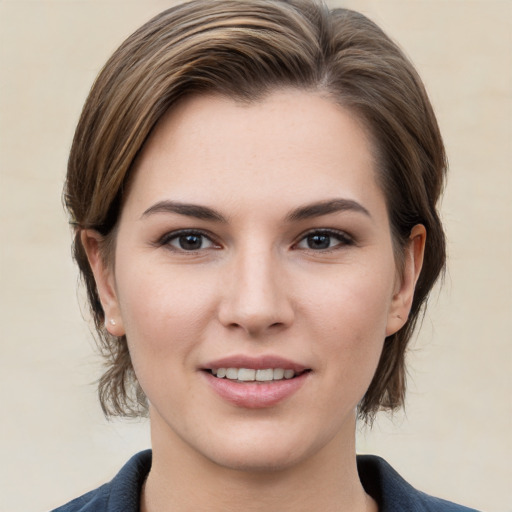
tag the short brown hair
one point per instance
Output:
(245, 49)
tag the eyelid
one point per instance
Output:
(343, 237)
(165, 239)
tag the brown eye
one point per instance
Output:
(324, 240)
(318, 241)
(187, 241)
(190, 242)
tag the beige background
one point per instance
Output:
(455, 440)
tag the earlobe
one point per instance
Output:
(105, 283)
(404, 294)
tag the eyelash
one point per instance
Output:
(176, 235)
(342, 238)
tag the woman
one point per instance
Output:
(254, 186)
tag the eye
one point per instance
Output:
(188, 241)
(322, 240)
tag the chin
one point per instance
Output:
(266, 450)
(256, 459)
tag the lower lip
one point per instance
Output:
(255, 395)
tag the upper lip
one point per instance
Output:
(256, 363)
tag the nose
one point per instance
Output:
(256, 295)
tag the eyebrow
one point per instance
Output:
(324, 208)
(189, 210)
(302, 213)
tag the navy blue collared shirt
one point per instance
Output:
(380, 480)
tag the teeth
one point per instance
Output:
(245, 374)
(232, 373)
(251, 375)
(264, 375)
(278, 373)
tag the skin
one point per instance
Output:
(255, 284)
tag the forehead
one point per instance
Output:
(291, 144)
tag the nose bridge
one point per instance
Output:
(256, 297)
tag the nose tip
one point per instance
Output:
(256, 299)
(253, 322)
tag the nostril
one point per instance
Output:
(255, 314)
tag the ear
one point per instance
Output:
(406, 282)
(105, 282)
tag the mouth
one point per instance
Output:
(255, 382)
(263, 375)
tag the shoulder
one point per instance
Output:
(94, 500)
(121, 494)
(393, 493)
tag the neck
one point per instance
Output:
(182, 480)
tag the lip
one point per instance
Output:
(255, 363)
(255, 395)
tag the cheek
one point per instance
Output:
(353, 301)
(164, 313)
(348, 316)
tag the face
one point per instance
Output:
(254, 278)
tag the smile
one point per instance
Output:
(241, 388)
(252, 375)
